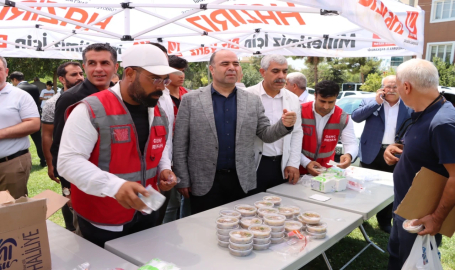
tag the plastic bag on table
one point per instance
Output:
(422, 256)
(293, 245)
(356, 185)
(157, 264)
(305, 180)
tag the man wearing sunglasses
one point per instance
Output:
(383, 116)
(114, 144)
(426, 140)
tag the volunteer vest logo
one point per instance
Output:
(6, 253)
(411, 24)
(330, 138)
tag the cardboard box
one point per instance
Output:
(423, 198)
(24, 243)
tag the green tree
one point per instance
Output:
(446, 72)
(335, 70)
(251, 74)
(196, 75)
(362, 65)
(374, 81)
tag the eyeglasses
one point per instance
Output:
(165, 82)
(390, 87)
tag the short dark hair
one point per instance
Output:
(49, 83)
(159, 46)
(98, 47)
(212, 58)
(327, 89)
(17, 75)
(61, 70)
(177, 62)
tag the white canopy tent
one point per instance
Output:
(194, 29)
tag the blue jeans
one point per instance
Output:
(401, 242)
(178, 207)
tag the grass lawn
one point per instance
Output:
(338, 255)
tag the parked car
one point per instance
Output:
(310, 90)
(349, 104)
(449, 93)
(350, 93)
(350, 86)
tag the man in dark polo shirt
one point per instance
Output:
(99, 63)
(423, 141)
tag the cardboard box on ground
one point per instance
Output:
(423, 198)
(24, 243)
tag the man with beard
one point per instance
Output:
(280, 160)
(69, 74)
(383, 116)
(114, 144)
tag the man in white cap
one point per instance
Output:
(114, 144)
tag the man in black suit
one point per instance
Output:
(17, 79)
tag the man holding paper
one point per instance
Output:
(425, 140)
(114, 144)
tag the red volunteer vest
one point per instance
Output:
(326, 151)
(117, 151)
(182, 91)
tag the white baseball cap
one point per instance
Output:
(148, 57)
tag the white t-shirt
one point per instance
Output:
(15, 105)
(46, 94)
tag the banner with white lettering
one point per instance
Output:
(194, 29)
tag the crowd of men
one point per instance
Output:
(105, 138)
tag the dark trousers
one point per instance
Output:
(99, 236)
(226, 188)
(401, 242)
(36, 137)
(385, 215)
(268, 175)
(68, 217)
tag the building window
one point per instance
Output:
(442, 11)
(395, 61)
(444, 51)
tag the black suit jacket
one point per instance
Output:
(32, 90)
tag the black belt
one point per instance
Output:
(274, 158)
(225, 171)
(384, 146)
(15, 155)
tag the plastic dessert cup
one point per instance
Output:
(266, 211)
(261, 241)
(288, 212)
(240, 246)
(277, 240)
(310, 217)
(224, 238)
(274, 219)
(230, 213)
(277, 228)
(227, 222)
(317, 228)
(241, 236)
(246, 210)
(260, 231)
(410, 227)
(295, 208)
(290, 226)
(223, 244)
(248, 221)
(240, 253)
(226, 231)
(261, 204)
(261, 246)
(275, 199)
(277, 234)
(316, 235)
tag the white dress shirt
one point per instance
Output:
(350, 143)
(273, 110)
(15, 106)
(78, 140)
(167, 105)
(305, 97)
(391, 117)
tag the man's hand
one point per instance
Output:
(50, 173)
(185, 192)
(312, 166)
(288, 118)
(345, 161)
(167, 180)
(390, 151)
(292, 174)
(69, 203)
(380, 93)
(431, 224)
(127, 195)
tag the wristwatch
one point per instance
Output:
(66, 191)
